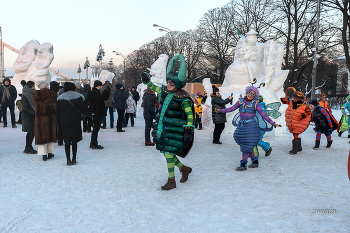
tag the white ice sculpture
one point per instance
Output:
(32, 63)
(262, 61)
(105, 75)
(158, 75)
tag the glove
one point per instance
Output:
(330, 125)
(277, 125)
(145, 78)
(188, 135)
(216, 110)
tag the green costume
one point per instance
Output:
(173, 129)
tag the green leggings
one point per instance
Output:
(172, 160)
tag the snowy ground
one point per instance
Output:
(118, 189)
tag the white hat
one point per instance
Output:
(42, 84)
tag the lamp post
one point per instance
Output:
(86, 66)
(79, 71)
(120, 54)
(100, 55)
(315, 49)
(164, 29)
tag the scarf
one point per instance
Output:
(6, 94)
(28, 93)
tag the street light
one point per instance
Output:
(120, 54)
(164, 29)
(86, 66)
(100, 55)
(79, 71)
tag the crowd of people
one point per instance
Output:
(171, 115)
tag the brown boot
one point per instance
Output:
(171, 184)
(185, 172)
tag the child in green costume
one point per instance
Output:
(173, 130)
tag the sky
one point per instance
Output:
(76, 28)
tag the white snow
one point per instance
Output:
(117, 189)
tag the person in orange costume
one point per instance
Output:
(298, 116)
(323, 102)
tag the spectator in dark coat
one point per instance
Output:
(28, 116)
(120, 96)
(219, 119)
(8, 95)
(69, 106)
(20, 105)
(109, 105)
(98, 108)
(149, 112)
(45, 120)
(135, 96)
(87, 122)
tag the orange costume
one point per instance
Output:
(298, 116)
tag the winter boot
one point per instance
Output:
(185, 172)
(268, 152)
(254, 164)
(317, 145)
(33, 151)
(348, 135)
(45, 157)
(242, 166)
(171, 184)
(299, 145)
(69, 162)
(295, 148)
(50, 155)
(329, 143)
(74, 159)
(340, 133)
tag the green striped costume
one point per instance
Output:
(175, 114)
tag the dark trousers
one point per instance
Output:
(97, 119)
(111, 117)
(29, 140)
(87, 123)
(198, 121)
(12, 112)
(217, 131)
(131, 115)
(59, 137)
(148, 127)
(120, 118)
(20, 118)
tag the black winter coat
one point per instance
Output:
(97, 101)
(108, 103)
(149, 109)
(28, 113)
(13, 95)
(218, 103)
(68, 118)
(120, 97)
(135, 95)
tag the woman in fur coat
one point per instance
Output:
(45, 120)
(70, 105)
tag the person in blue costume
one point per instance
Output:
(247, 133)
(173, 130)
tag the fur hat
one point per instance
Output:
(68, 86)
(215, 89)
(298, 95)
(97, 83)
(77, 84)
(42, 84)
(119, 85)
(55, 86)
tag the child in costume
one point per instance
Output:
(323, 102)
(298, 116)
(343, 122)
(323, 123)
(198, 110)
(173, 130)
(247, 133)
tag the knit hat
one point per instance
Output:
(68, 86)
(97, 83)
(42, 84)
(77, 84)
(23, 83)
(55, 86)
(215, 89)
(199, 92)
(119, 85)
(314, 102)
